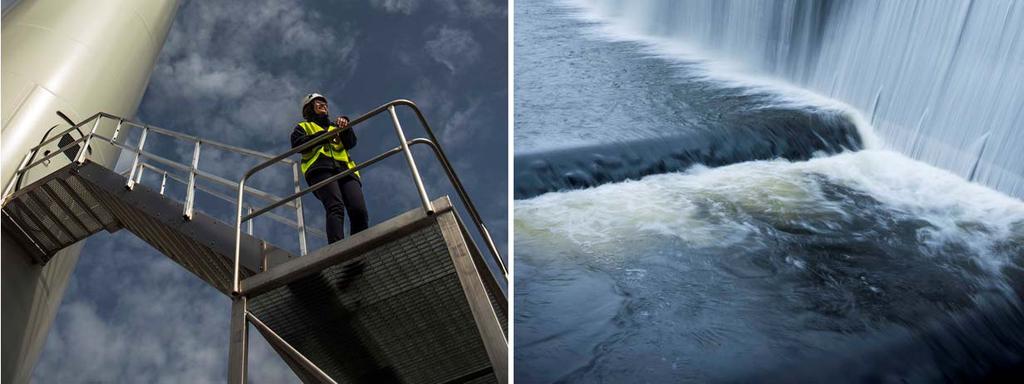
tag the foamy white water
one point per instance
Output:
(713, 206)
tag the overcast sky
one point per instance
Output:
(234, 72)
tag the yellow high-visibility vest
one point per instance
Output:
(329, 149)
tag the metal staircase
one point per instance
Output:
(77, 201)
(53, 214)
(408, 300)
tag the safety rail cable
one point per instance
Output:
(403, 147)
(134, 172)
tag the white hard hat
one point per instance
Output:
(309, 99)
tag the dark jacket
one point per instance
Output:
(348, 140)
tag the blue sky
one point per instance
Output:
(234, 72)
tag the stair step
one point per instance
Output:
(54, 220)
(87, 199)
(35, 250)
(80, 229)
(32, 225)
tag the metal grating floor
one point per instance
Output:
(396, 313)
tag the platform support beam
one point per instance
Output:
(238, 349)
(491, 334)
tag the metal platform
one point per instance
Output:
(400, 302)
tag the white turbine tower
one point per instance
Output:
(78, 57)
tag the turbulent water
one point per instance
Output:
(752, 266)
(679, 220)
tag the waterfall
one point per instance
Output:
(940, 81)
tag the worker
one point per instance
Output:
(323, 161)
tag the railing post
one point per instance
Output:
(135, 162)
(190, 192)
(85, 145)
(298, 211)
(14, 177)
(427, 207)
(236, 288)
(249, 223)
(117, 130)
(138, 176)
(163, 183)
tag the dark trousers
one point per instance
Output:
(341, 195)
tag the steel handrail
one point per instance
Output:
(439, 153)
(182, 136)
(457, 183)
(360, 166)
(25, 165)
(265, 196)
(273, 216)
(29, 162)
(179, 135)
(322, 183)
(163, 160)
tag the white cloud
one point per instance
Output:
(396, 6)
(235, 75)
(237, 32)
(461, 127)
(455, 48)
(470, 8)
(258, 58)
(475, 8)
(154, 323)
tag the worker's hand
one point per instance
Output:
(341, 122)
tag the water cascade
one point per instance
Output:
(940, 81)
